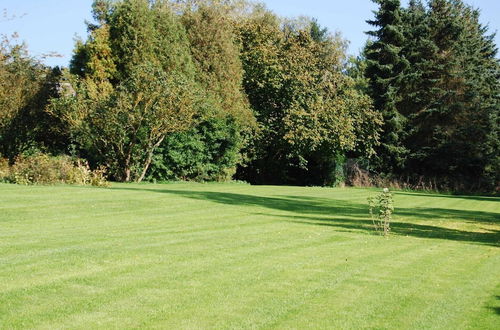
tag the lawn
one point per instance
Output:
(240, 256)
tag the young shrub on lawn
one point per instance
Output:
(381, 209)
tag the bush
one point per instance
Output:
(4, 169)
(98, 177)
(44, 169)
(208, 152)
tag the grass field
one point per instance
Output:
(239, 256)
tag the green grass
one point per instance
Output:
(240, 256)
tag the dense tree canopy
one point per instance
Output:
(212, 149)
(133, 89)
(215, 90)
(442, 77)
(25, 89)
(385, 63)
(303, 101)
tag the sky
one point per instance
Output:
(52, 25)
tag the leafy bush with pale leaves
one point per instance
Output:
(4, 169)
(44, 169)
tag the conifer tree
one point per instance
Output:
(461, 130)
(385, 64)
(447, 91)
(450, 93)
(417, 85)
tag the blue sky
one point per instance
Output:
(51, 25)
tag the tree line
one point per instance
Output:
(432, 72)
(217, 90)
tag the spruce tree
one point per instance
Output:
(385, 64)
(418, 85)
(450, 95)
(466, 143)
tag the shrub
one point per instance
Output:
(208, 152)
(98, 177)
(44, 169)
(381, 209)
(4, 169)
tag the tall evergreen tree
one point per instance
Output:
(418, 82)
(447, 90)
(451, 102)
(385, 64)
(463, 141)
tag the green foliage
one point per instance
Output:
(302, 99)
(216, 55)
(25, 89)
(433, 70)
(44, 169)
(356, 69)
(208, 152)
(137, 85)
(318, 33)
(125, 128)
(4, 170)
(142, 31)
(454, 131)
(323, 169)
(384, 65)
(212, 149)
(199, 89)
(381, 209)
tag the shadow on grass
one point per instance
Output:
(496, 308)
(458, 196)
(352, 216)
(449, 214)
(491, 237)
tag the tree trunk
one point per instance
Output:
(127, 168)
(149, 159)
(127, 174)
